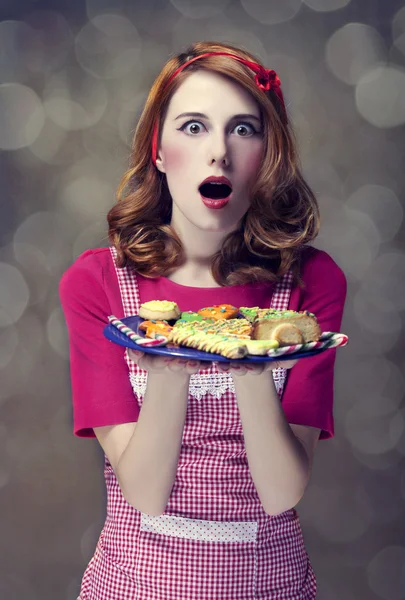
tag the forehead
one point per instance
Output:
(212, 94)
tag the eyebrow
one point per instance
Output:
(203, 116)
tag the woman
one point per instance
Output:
(204, 465)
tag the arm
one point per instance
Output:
(147, 467)
(281, 437)
(141, 445)
(280, 464)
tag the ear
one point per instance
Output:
(160, 162)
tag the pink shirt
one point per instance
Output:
(101, 389)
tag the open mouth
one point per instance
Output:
(215, 191)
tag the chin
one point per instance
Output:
(215, 227)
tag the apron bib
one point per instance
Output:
(214, 540)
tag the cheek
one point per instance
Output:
(175, 157)
(252, 162)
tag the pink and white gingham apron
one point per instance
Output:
(214, 540)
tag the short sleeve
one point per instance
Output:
(308, 393)
(101, 389)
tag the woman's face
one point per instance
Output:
(212, 129)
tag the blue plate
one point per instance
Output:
(114, 335)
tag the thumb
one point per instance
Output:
(286, 364)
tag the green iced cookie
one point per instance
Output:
(190, 316)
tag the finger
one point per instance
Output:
(238, 369)
(177, 364)
(135, 355)
(193, 366)
(157, 361)
(286, 364)
(151, 362)
(256, 369)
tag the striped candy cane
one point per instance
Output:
(327, 340)
(160, 340)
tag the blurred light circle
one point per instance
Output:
(398, 23)
(89, 541)
(195, 9)
(55, 36)
(324, 178)
(271, 12)
(386, 285)
(73, 588)
(376, 319)
(129, 116)
(102, 141)
(378, 376)
(49, 236)
(23, 371)
(380, 96)
(49, 141)
(399, 44)
(332, 522)
(93, 168)
(386, 573)
(361, 239)
(4, 477)
(87, 198)
(94, 236)
(31, 334)
(57, 333)
(221, 29)
(382, 493)
(14, 294)
(362, 242)
(353, 50)
(36, 271)
(94, 8)
(373, 425)
(378, 462)
(293, 78)
(108, 46)
(74, 100)
(326, 5)
(19, 47)
(21, 116)
(8, 344)
(14, 585)
(382, 206)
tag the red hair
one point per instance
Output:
(283, 214)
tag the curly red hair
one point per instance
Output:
(283, 215)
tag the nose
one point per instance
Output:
(218, 151)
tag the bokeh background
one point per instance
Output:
(74, 77)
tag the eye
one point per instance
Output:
(191, 127)
(245, 130)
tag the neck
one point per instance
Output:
(199, 248)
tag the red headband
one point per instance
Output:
(265, 79)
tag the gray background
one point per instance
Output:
(74, 78)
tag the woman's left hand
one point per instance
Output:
(251, 368)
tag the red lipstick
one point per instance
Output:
(213, 179)
(212, 196)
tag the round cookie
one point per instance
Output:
(159, 310)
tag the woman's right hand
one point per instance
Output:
(156, 363)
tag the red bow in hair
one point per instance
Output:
(267, 79)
